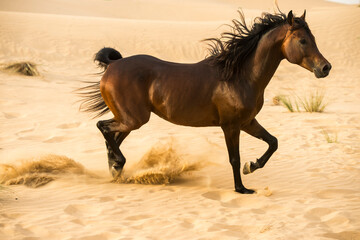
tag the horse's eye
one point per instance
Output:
(303, 41)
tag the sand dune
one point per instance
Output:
(309, 189)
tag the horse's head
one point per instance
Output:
(299, 47)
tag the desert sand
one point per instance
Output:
(310, 188)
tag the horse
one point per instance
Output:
(225, 89)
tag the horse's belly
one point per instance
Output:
(183, 98)
(189, 115)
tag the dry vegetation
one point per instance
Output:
(39, 171)
(286, 102)
(330, 137)
(23, 68)
(312, 103)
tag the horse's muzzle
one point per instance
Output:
(323, 70)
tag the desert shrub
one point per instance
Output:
(313, 103)
(285, 101)
(24, 68)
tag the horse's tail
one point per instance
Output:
(106, 56)
(91, 99)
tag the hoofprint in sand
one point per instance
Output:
(309, 189)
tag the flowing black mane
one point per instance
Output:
(231, 50)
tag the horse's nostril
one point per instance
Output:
(326, 68)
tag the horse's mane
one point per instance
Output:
(230, 51)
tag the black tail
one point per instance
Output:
(92, 100)
(105, 56)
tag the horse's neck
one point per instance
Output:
(267, 57)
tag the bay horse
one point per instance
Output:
(225, 89)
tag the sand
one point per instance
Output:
(310, 189)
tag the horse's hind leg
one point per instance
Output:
(113, 137)
(119, 137)
(256, 130)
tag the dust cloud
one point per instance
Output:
(38, 171)
(162, 164)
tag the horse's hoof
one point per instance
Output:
(246, 169)
(244, 190)
(249, 167)
(116, 170)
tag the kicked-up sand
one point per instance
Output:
(177, 183)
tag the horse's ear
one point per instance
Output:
(303, 16)
(289, 18)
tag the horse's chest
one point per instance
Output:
(237, 107)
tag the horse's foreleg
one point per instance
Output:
(113, 139)
(256, 130)
(232, 134)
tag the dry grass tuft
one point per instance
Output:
(313, 103)
(285, 101)
(24, 68)
(38, 172)
(330, 138)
